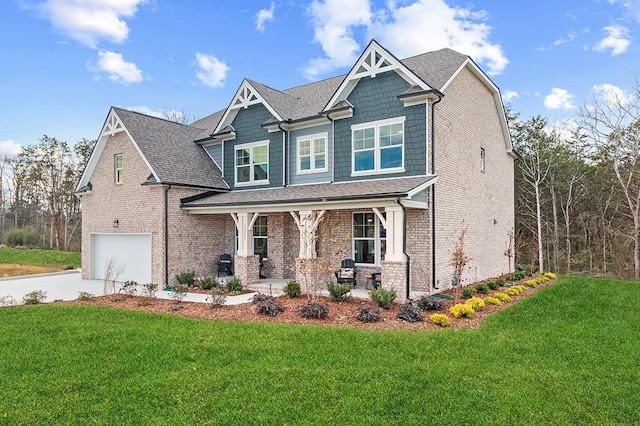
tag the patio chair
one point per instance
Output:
(225, 264)
(347, 273)
(263, 260)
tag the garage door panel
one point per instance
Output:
(131, 254)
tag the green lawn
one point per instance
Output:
(567, 355)
(64, 259)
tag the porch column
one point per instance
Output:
(306, 271)
(246, 264)
(394, 265)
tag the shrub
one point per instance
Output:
(187, 278)
(493, 301)
(216, 297)
(339, 292)
(383, 297)
(476, 303)
(208, 282)
(441, 319)
(493, 285)
(234, 285)
(409, 313)
(468, 293)
(175, 308)
(8, 300)
(261, 297)
(430, 303)
(482, 288)
(34, 298)
(502, 297)
(292, 289)
(129, 288)
(531, 283)
(550, 275)
(24, 237)
(269, 306)
(500, 282)
(520, 288)
(512, 291)
(179, 292)
(461, 310)
(150, 289)
(83, 295)
(369, 314)
(314, 310)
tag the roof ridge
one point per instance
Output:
(152, 116)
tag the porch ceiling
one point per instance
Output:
(325, 196)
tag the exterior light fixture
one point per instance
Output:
(115, 223)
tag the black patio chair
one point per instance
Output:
(347, 273)
(225, 264)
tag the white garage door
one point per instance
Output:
(130, 252)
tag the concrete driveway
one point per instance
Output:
(68, 284)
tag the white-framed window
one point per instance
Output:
(482, 159)
(117, 164)
(252, 163)
(369, 239)
(312, 153)
(378, 147)
(259, 236)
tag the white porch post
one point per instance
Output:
(307, 223)
(395, 233)
(246, 263)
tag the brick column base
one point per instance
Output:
(247, 268)
(394, 275)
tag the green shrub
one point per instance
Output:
(440, 319)
(383, 297)
(430, 303)
(34, 298)
(292, 289)
(216, 297)
(482, 288)
(179, 292)
(83, 295)
(369, 314)
(314, 310)
(208, 282)
(476, 303)
(493, 285)
(150, 289)
(339, 292)
(22, 237)
(408, 312)
(268, 306)
(502, 297)
(461, 310)
(187, 278)
(493, 301)
(468, 293)
(234, 285)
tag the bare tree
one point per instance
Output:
(459, 260)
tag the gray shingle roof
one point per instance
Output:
(371, 189)
(171, 152)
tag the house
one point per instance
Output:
(385, 165)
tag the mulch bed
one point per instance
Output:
(341, 314)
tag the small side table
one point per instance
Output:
(373, 280)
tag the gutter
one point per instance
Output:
(285, 168)
(404, 249)
(433, 190)
(166, 236)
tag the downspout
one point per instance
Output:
(333, 154)
(166, 236)
(285, 168)
(433, 191)
(404, 248)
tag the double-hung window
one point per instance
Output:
(259, 236)
(312, 153)
(117, 160)
(378, 147)
(252, 163)
(369, 243)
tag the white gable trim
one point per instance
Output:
(113, 125)
(373, 61)
(245, 96)
(475, 70)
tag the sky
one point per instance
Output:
(64, 63)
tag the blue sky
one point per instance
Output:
(65, 62)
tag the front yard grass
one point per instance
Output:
(567, 355)
(63, 259)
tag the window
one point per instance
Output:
(118, 168)
(252, 163)
(369, 239)
(260, 236)
(378, 146)
(312, 153)
(482, 154)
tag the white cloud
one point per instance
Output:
(89, 21)
(212, 71)
(572, 35)
(509, 95)
(9, 148)
(146, 110)
(611, 95)
(416, 27)
(632, 8)
(116, 68)
(263, 16)
(559, 99)
(617, 40)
